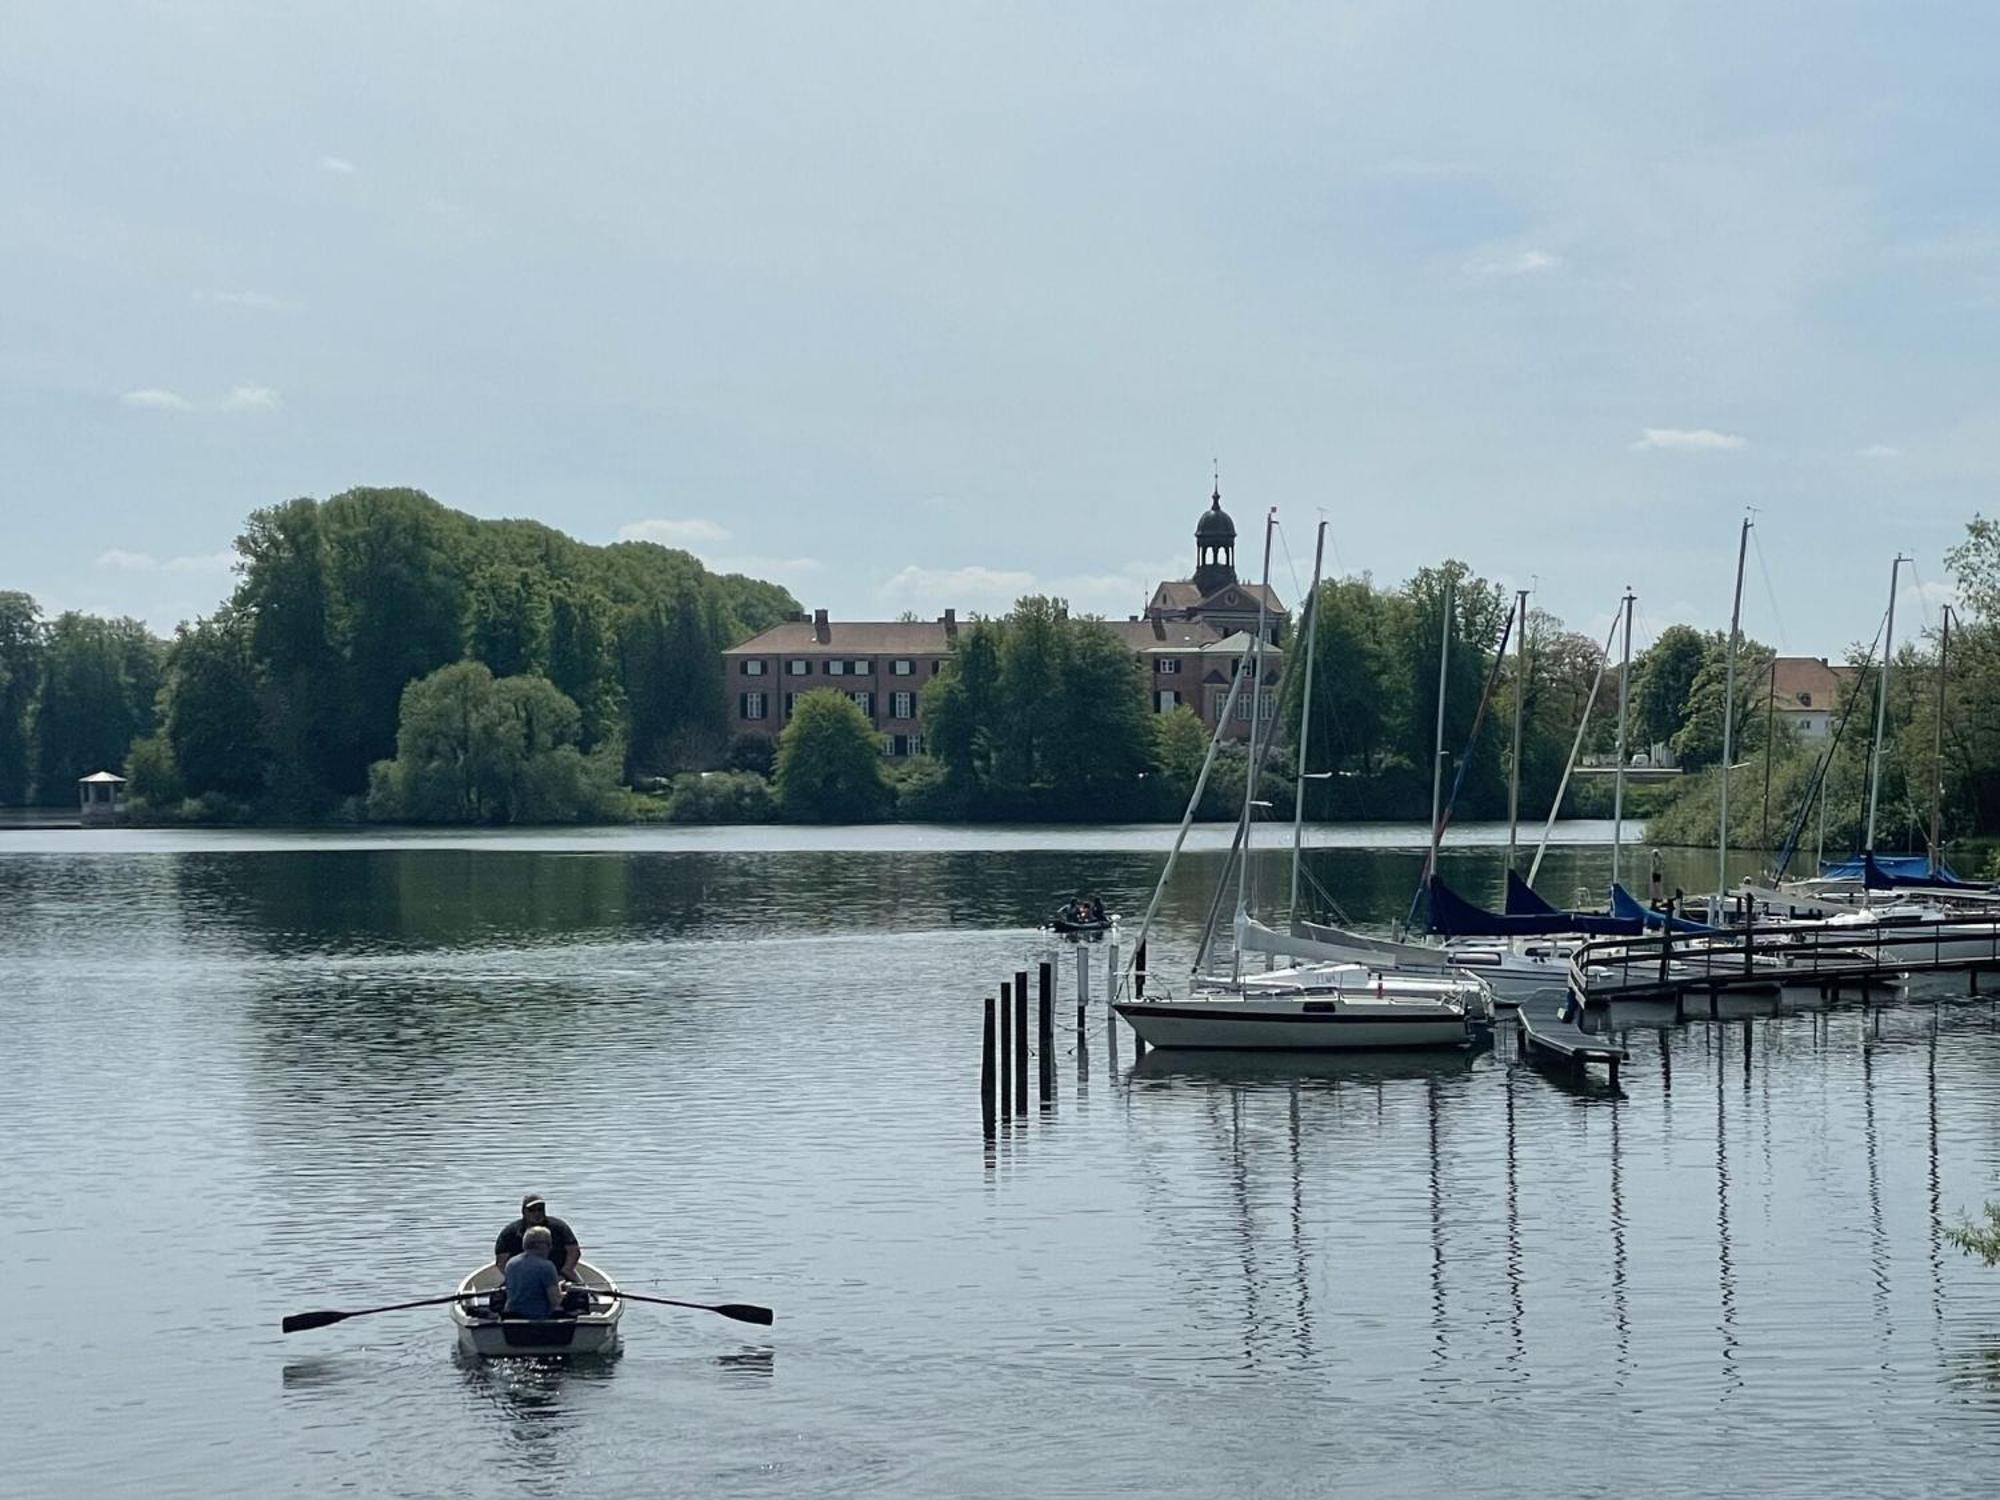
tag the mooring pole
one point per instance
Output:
(986, 1080)
(1021, 1042)
(1006, 1050)
(1139, 972)
(1082, 985)
(1045, 1038)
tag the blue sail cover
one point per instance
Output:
(1453, 916)
(1888, 872)
(1625, 904)
(1522, 900)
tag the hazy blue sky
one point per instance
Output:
(932, 304)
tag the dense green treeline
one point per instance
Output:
(281, 703)
(1957, 775)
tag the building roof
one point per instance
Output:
(850, 638)
(101, 776)
(1181, 595)
(1808, 684)
(1164, 635)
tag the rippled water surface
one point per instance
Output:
(261, 1074)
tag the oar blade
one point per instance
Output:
(300, 1322)
(744, 1312)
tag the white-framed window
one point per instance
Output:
(890, 743)
(798, 666)
(916, 744)
(902, 666)
(1267, 706)
(1166, 700)
(753, 705)
(903, 706)
(865, 702)
(900, 745)
(859, 667)
(836, 667)
(790, 699)
(1166, 665)
(753, 668)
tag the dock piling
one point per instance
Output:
(1021, 1042)
(1006, 1051)
(986, 1079)
(1045, 1036)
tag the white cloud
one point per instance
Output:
(775, 569)
(969, 588)
(201, 562)
(1500, 263)
(127, 562)
(263, 301)
(1878, 450)
(250, 398)
(340, 166)
(154, 399)
(673, 533)
(1699, 439)
(120, 560)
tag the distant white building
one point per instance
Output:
(100, 797)
(1805, 692)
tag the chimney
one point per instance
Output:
(822, 632)
(951, 624)
(799, 616)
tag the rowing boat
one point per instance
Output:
(483, 1334)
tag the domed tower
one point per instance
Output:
(1214, 547)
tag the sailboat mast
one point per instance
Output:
(1520, 707)
(1937, 745)
(1624, 714)
(1729, 716)
(1250, 771)
(1311, 622)
(1882, 703)
(1437, 760)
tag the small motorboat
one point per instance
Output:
(482, 1333)
(1078, 920)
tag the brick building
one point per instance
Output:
(1188, 643)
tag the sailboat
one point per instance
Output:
(1314, 1006)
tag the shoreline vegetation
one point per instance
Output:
(383, 659)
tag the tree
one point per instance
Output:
(509, 619)
(1663, 680)
(1033, 660)
(213, 718)
(1350, 672)
(1477, 614)
(830, 763)
(21, 652)
(1100, 741)
(100, 682)
(473, 748)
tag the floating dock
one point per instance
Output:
(1551, 1042)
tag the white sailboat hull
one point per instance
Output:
(1321, 1008)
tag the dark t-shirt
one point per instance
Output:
(509, 1243)
(531, 1287)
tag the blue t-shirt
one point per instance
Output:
(531, 1286)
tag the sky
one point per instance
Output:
(918, 306)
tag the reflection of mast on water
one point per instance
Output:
(1725, 1271)
(1620, 1315)
(1878, 1238)
(1517, 1311)
(1936, 1195)
(1438, 1337)
(1299, 1260)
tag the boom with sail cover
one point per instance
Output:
(1454, 916)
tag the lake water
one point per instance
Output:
(257, 1074)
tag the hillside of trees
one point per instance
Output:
(278, 705)
(382, 655)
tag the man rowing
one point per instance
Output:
(535, 1287)
(564, 1253)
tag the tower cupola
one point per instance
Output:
(1214, 547)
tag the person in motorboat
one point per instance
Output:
(535, 1214)
(1094, 908)
(535, 1288)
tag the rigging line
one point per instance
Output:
(1923, 601)
(1770, 593)
(1291, 567)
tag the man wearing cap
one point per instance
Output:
(564, 1250)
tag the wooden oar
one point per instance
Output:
(742, 1312)
(299, 1322)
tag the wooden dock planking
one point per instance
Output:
(1550, 1041)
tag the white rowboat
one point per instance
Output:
(592, 1332)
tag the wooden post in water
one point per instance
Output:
(1139, 971)
(1045, 1034)
(1082, 985)
(1006, 1052)
(986, 1078)
(1021, 1042)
